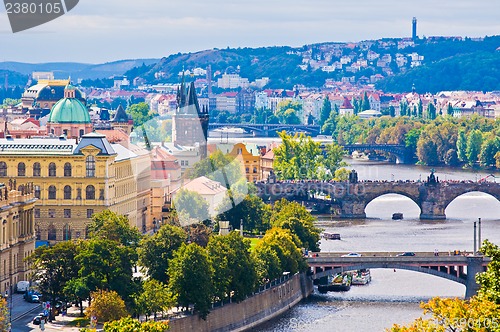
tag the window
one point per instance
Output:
(37, 213)
(21, 169)
(255, 170)
(67, 169)
(82, 132)
(247, 170)
(90, 166)
(52, 213)
(90, 212)
(38, 233)
(3, 168)
(67, 192)
(52, 169)
(37, 169)
(52, 192)
(67, 213)
(52, 233)
(37, 191)
(90, 192)
(66, 233)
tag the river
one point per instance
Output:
(393, 296)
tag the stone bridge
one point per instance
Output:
(268, 130)
(402, 154)
(352, 198)
(461, 269)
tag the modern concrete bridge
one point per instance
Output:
(351, 199)
(459, 268)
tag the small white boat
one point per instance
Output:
(361, 277)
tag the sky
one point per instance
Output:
(98, 31)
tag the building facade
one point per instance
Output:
(17, 233)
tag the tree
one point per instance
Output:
(451, 158)
(427, 151)
(449, 109)
(455, 315)
(392, 111)
(488, 151)
(54, 267)
(156, 250)
(218, 167)
(191, 276)
(267, 264)
(332, 160)
(497, 159)
(4, 315)
(111, 226)
(250, 210)
(326, 109)
(295, 217)
(155, 297)
(191, 207)
(140, 113)
(462, 146)
(129, 324)
(198, 233)
(288, 112)
(474, 141)
(490, 279)
(431, 111)
(107, 264)
(106, 306)
(365, 105)
(283, 243)
(234, 272)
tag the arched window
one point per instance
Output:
(67, 192)
(52, 233)
(90, 192)
(90, 166)
(82, 132)
(37, 169)
(37, 191)
(66, 232)
(52, 192)
(3, 168)
(21, 169)
(38, 233)
(67, 169)
(52, 169)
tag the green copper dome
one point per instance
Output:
(69, 110)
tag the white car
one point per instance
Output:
(352, 254)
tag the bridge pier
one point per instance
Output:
(353, 209)
(474, 266)
(431, 210)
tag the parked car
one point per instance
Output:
(33, 298)
(352, 254)
(408, 253)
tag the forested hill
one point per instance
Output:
(448, 64)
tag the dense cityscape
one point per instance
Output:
(220, 190)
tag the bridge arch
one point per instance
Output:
(392, 203)
(435, 272)
(479, 201)
(492, 191)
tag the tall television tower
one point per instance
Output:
(414, 36)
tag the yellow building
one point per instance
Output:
(250, 161)
(17, 234)
(73, 179)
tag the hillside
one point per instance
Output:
(76, 70)
(479, 71)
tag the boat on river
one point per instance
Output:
(361, 277)
(397, 216)
(338, 283)
(331, 236)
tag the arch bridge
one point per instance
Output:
(351, 199)
(460, 268)
(268, 130)
(400, 151)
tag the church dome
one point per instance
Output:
(69, 110)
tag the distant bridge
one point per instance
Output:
(352, 198)
(401, 152)
(268, 130)
(461, 269)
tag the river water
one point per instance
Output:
(393, 296)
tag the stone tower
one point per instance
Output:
(190, 123)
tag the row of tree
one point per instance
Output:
(184, 267)
(444, 140)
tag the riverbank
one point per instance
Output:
(253, 311)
